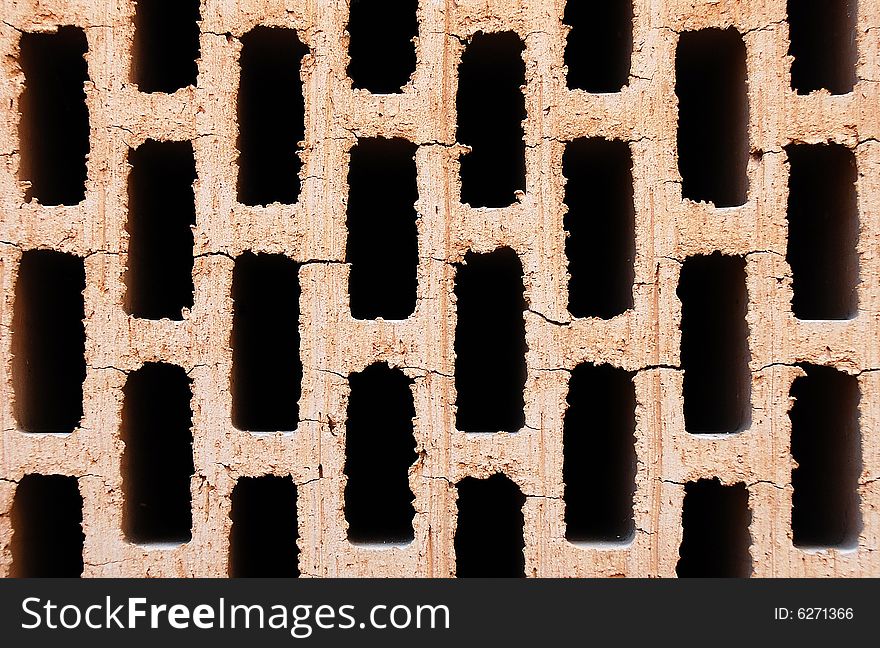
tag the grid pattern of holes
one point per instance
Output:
(645, 339)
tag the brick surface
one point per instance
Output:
(644, 339)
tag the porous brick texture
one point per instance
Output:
(646, 339)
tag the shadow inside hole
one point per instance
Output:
(47, 536)
(157, 463)
(382, 245)
(161, 214)
(266, 377)
(716, 540)
(491, 107)
(715, 344)
(599, 456)
(826, 445)
(165, 50)
(713, 116)
(48, 342)
(490, 346)
(263, 539)
(598, 50)
(489, 533)
(379, 452)
(271, 116)
(381, 47)
(823, 43)
(600, 223)
(823, 231)
(54, 126)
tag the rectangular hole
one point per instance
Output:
(490, 347)
(271, 116)
(826, 445)
(382, 243)
(381, 45)
(165, 51)
(600, 226)
(379, 451)
(157, 463)
(47, 535)
(54, 126)
(599, 464)
(266, 369)
(599, 46)
(48, 342)
(161, 214)
(715, 521)
(713, 116)
(823, 44)
(262, 542)
(491, 108)
(489, 533)
(715, 344)
(823, 231)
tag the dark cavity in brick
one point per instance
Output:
(381, 47)
(599, 46)
(599, 466)
(262, 542)
(166, 45)
(715, 521)
(54, 126)
(714, 344)
(271, 116)
(382, 238)
(822, 37)
(491, 108)
(161, 213)
(266, 368)
(47, 536)
(490, 367)
(713, 116)
(157, 463)
(489, 533)
(600, 222)
(48, 342)
(823, 231)
(379, 451)
(826, 444)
